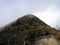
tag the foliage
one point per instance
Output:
(25, 29)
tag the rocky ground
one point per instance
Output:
(47, 41)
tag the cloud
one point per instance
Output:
(10, 10)
(50, 16)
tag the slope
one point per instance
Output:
(24, 31)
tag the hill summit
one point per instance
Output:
(24, 31)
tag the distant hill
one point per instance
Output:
(24, 31)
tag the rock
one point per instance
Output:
(47, 41)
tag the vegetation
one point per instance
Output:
(25, 30)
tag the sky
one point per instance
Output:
(46, 10)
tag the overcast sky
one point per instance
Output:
(46, 10)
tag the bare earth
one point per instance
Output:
(47, 41)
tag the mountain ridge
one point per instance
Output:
(24, 29)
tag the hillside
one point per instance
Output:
(24, 31)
